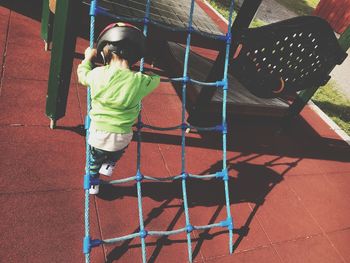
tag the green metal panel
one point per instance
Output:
(344, 39)
(46, 23)
(64, 38)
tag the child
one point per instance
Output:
(116, 92)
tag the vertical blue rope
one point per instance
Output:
(224, 134)
(138, 184)
(183, 134)
(88, 155)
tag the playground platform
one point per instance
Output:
(289, 190)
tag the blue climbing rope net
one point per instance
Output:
(89, 243)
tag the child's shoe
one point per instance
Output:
(94, 189)
(107, 169)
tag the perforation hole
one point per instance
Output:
(299, 45)
(263, 49)
(274, 67)
(282, 48)
(278, 42)
(300, 34)
(256, 51)
(286, 38)
(316, 46)
(269, 65)
(309, 35)
(254, 59)
(291, 44)
(310, 55)
(273, 51)
(248, 54)
(313, 40)
(286, 79)
(295, 67)
(271, 71)
(259, 69)
(264, 59)
(281, 59)
(315, 69)
(294, 35)
(303, 49)
(281, 70)
(307, 73)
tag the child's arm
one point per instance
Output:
(85, 67)
(151, 81)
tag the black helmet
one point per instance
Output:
(125, 40)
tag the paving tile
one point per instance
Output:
(45, 226)
(160, 214)
(248, 233)
(340, 239)
(30, 33)
(263, 255)
(23, 102)
(34, 61)
(326, 201)
(38, 158)
(4, 11)
(319, 126)
(5, 16)
(284, 217)
(311, 249)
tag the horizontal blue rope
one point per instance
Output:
(104, 12)
(120, 181)
(162, 233)
(166, 233)
(207, 226)
(220, 83)
(184, 126)
(118, 239)
(161, 179)
(212, 128)
(162, 128)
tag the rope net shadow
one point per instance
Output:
(90, 243)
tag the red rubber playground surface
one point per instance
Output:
(290, 196)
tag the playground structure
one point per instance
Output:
(43, 203)
(260, 68)
(286, 104)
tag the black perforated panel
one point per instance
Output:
(287, 56)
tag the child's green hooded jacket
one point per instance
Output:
(115, 95)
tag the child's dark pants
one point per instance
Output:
(99, 157)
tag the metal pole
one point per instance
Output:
(64, 38)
